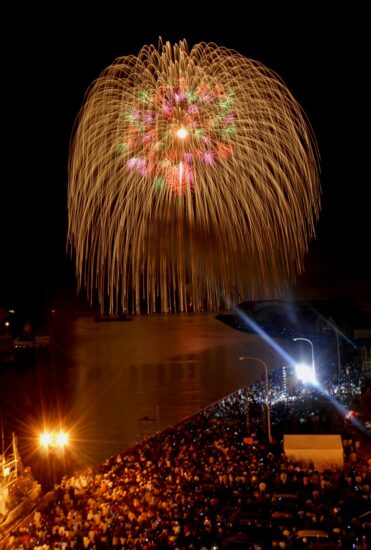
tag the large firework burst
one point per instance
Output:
(193, 178)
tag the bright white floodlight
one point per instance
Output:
(305, 374)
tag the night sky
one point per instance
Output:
(46, 72)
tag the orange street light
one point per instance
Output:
(54, 439)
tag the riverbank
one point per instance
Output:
(181, 487)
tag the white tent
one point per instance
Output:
(324, 451)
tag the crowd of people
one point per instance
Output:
(188, 486)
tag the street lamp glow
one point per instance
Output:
(45, 439)
(54, 439)
(61, 439)
(311, 345)
(253, 358)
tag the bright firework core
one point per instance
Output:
(193, 178)
(182, 133)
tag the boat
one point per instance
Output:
(106, 317)
(19, 491)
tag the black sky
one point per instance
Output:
(47, 69)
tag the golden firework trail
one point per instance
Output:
(193, 181)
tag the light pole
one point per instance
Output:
(337, 349)
(335, 330)
(253, 358)
(311, 345)
(54, 444)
